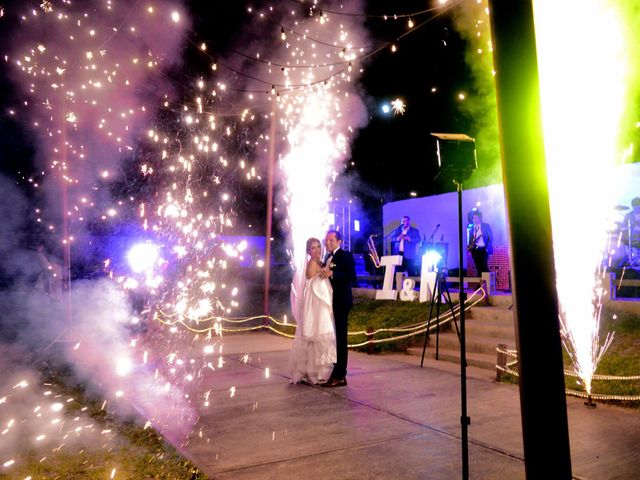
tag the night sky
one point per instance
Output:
(433, 56)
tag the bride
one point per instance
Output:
(314, 345)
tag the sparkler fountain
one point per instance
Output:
(578, 72)
(571, 74)
(318, 109)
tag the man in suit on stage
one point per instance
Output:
(340, 269)
(405, 241)
(480, 242)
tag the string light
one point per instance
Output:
(569, 373)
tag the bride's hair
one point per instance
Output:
(310, 242)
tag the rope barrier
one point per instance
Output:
(414, 329)
(576, 393)
(569, 373)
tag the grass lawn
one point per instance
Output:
(387, 314)
(383, 314)
(54, 428)
(621, 359)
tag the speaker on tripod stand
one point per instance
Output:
(456, 154)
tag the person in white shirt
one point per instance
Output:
(480, 242)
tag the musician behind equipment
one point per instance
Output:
(631, 225)
(405, 241)
(480, 242)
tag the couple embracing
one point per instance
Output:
(321, 300)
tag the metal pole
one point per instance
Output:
(64, 171)
(350, 225)
(542, 390)
(270, 167)
(66, 233)
(464, 419)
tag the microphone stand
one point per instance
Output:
(432, 235)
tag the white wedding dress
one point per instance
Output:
(314, 345)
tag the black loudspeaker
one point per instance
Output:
(456, 153)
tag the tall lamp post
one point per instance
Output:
(271, 165)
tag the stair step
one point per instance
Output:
(488, 328)
(502, 300)
(497, 299)
(492, 313)
(474, 343)
(481, 360)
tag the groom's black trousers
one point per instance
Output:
(344, 275)
(341, 316)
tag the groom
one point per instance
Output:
(340, 269)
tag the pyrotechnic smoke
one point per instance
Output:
(99, 343)
(630, 128)
(106, 353)
(471, 20)
(91, 76)
(102, 351)
(37, 418)
(17, 262)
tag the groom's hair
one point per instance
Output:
(336, 233)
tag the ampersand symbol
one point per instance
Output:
(408, 294)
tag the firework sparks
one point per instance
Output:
(81, 95)
(398, 107)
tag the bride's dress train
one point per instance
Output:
(314, 345)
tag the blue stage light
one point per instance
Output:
(142, 257)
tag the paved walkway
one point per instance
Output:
(394, 420)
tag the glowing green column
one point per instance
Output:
(542, 392)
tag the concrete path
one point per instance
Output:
(394, 420)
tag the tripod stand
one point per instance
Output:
(456, 155)
(440, 290)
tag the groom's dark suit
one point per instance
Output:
(344, 275)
